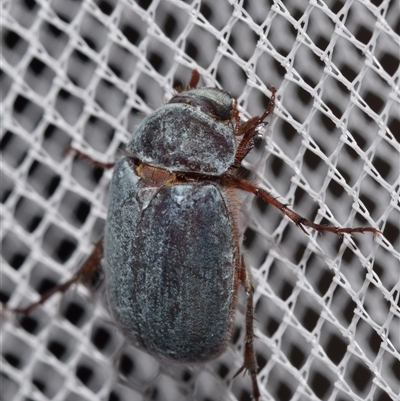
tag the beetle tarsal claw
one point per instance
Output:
(240, 370)
(252, 371)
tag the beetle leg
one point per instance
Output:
(192, 84)
(84, 156)
(85, 273)
(194, 79)
(249, 130)
(300, 221)
(250, 362)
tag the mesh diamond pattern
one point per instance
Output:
(85, 72)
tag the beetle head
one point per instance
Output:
(213, 102)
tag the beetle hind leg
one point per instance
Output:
(85, 273)
(250, 362)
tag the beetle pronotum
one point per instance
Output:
(172, 251)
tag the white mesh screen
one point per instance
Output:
(84, 72)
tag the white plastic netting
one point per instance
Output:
(84, 72)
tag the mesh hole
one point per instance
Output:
(43, 179)
(85, 174)
(107, 7)
(74, 312)
(324, 282)
(75, 209)
(24, 11)
(69, 106)
(16, 351)
(13, 46)
(14, 251)
(361, 378)
(34, 322)
(139, 368)
(110, 98)
(39, 76)
(29, 214)
(281, 383)
(55, 142)
(61, 343)
(47, 379)
(59, 245)
(132, 26)
(43, 278)
(321, 385)
(310, 318)
(122, 63)
(295, 347)
(389, 62)
(195, 47)
(98, 134)
(93, 32)
(7, 287)
(80, 69)
(66, 10)
(105, 338)
(27, 113)
(13, 149)
(335, 187)
(57, 349)
(92, 374)
(336, 348)
(126, 365)
(284, 392)
(53, 39)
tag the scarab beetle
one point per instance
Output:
(172, 251)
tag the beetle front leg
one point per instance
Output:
(250, 362)
(85, 273)
(249, 130)
(93, 162)
(300, 221)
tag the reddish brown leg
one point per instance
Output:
(85, 273)
(300, 221)
(194, 79)
(193, 82)
(93, 162)
(250, 363)
(249, 130)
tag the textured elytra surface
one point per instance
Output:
(86, 72)
(161, 245)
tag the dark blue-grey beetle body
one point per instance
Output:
(171, 249)
(171, 244)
